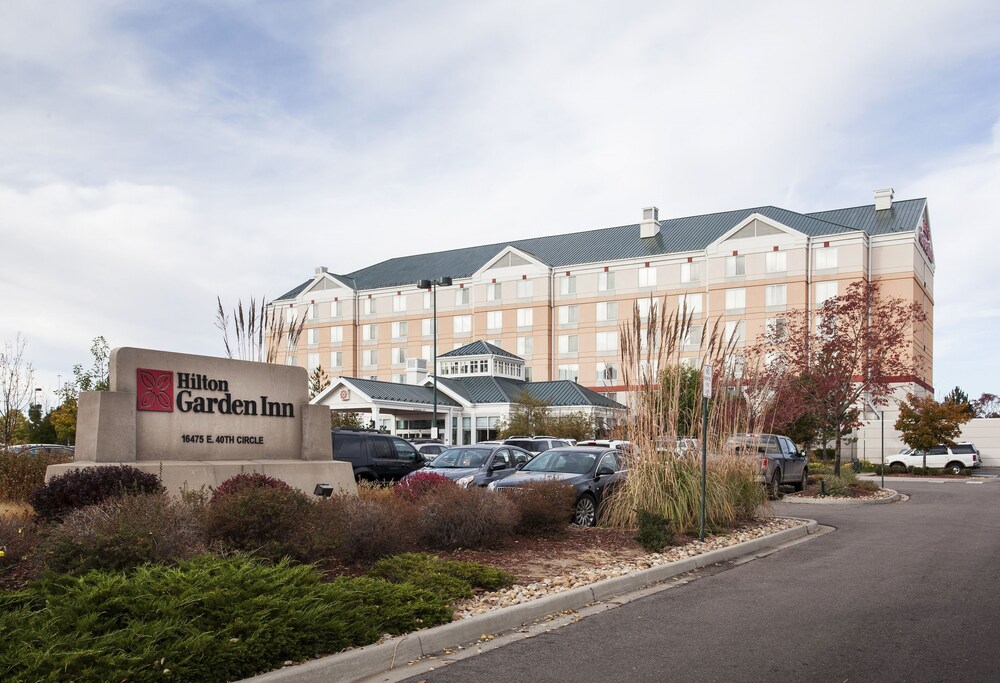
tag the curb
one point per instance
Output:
(353, 665)
(830, 500)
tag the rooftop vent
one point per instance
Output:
(650, 226)
(883, 199)
(320, 270)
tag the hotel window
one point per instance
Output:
(569, 343)
(427, 327)
(691, 301)
(647, 276)
(735, 331)
(399, 379)
(496, 342)
(826, 258)
(312, 336)
(462, 324)
(398, 355)
(570, 372)
(607, 371)
(776, 262)
(736, 300)
(776, 328)
(524, 317)
(311, 312)
(645, 305)
(606, 311)
(607, 341)
(649, 369)
(335, 310)
(369, 332)
(606, 282)
(399, 303)
(735, 266)
(825, 290)
(336, 335)
(775, 295)
(427, 353)
(428, 301)
(461, 297)
(734, 365)
(524, 346)
(525, 289)
(568, 314)
(527, 373)
(312, 361)
(493, 291)
(368, 306)
(399, 329)
(290, 314)
(567, 285)
(336, 359)
(494, 320)
(693, 336)
(369, 358)
(690, 272)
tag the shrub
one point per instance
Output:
(273, 522)
(123, 532)
(89, 486)
(420, 483)
(544, 508)
(18, 539)
(208, 619)
(373, 526)
(869, 486)
(21, 473)
(447, 578)
(248, 480)
(452, 517)
(654, 532)
(837, 486)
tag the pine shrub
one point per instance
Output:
(449, 579)
(544, 508)
(655, 532)
(118, 533)
(89, 486)
(451, 517)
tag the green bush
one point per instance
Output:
(273, 522)
(654, 532)
(89, 486)
(21, 473)
(451, 517)
(18, 540)
(123, 532)
(869, 486)
(208, 619)
(448, 579)
(837, 486)
(544, 508)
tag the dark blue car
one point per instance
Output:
(478, 464)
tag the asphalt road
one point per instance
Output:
(902, 592)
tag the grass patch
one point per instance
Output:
(448, 579)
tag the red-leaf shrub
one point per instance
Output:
(420, 483)
(271, 521)
(451, 517)
(89, 486)
(18, 538)
(544, 508)
(248, 480)
(373, 526)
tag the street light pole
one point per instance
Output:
(432, 285)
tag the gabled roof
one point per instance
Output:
(677, 235)
(391, 391)
(558, 393)
(478, 348)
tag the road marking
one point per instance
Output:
(975, 482)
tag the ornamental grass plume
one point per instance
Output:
(664, 397)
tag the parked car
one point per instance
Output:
(43, 449)
(592, 472)
(478, 465)
(955, 458)
(536, 444)
(430, 450)
(375, 456)
(781, 463)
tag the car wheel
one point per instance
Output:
(897, 467)
(955, 467)
(801, 484)
(774, 488)
(586, 511)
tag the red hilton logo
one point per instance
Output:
(154, 390)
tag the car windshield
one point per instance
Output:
(574, 462)
(462, 457)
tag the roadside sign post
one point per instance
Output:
(706, 393)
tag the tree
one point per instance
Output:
(64, 421)
(528, 416)
(681, 384)
(97, 377)
(924, 423)
(860, 344)
(961, 398)
(987, 405)
(16, 379)
(256, 332)
(37, 428)
(318, 381)
(576, 426)
(340, 420)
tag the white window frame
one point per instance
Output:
(606, 341)
(336, 359)
(825, 289)
(825, 258)
(369, 332)
(398, 355)
(494, 291)
(525, 289)
(462, 297)
(736, 300)
(607, 311)
(568, 315)
(567, 284)
(494, 320)
(606, 281)
(647, 276)
(694, 303)
(525, 317)
(399, 303)
(569, 343)
(400, 328)
(736, 266)
(735, 326)
(570, 371)
(368, 306)
(776, 295)
(525, 346)
(776, 262)
(691, 271)
(461, 324)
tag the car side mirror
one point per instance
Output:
(803, 454)
(604, 470)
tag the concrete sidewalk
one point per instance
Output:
(353, 665)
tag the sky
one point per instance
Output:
(156, 155)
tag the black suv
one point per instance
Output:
(375, 456)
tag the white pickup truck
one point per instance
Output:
(961, 456)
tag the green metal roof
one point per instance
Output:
(392, 391)
(478, 348)
(692, 233)
(558, 393)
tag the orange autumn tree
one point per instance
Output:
(860, 343)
